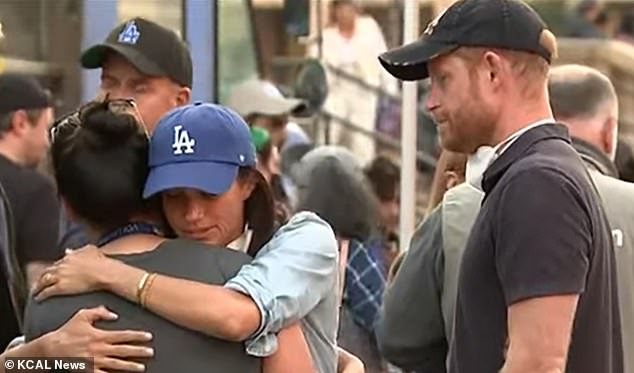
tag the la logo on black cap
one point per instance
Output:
(130, 33)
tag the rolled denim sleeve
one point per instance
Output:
(289, 276)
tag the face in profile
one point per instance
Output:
(458, 104)
(37, 137)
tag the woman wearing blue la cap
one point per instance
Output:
(202, 163)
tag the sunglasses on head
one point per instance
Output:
(116, 106)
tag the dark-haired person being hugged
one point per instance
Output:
(99, 158)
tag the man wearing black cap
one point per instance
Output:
(133, 65)
(25, 115)
(145, 61)
(537, 289)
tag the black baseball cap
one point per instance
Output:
(150, 47)
(19, 92)
(504, 24)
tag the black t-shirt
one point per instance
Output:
(541, 231)
(176, 349)
(35, 209)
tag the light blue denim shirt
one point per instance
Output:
(294, 277)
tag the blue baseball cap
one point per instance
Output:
(200, 146)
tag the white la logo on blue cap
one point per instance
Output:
(182, 140)
(130, 34)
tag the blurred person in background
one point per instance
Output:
(26, 114)
(585, 101)
(261, 104)
(416, 323)
(267, 112)
(332, 184)
(384, 175)
(586, 20)
(268, 164)
(290, 158)
(351, 43)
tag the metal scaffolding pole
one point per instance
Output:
(408, 133)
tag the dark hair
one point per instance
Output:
(259, 210)
(342, 199)
(99, 160)
(385, 176)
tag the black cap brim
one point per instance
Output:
(409, 62)
(93, 58)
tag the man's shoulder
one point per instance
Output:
(612, 184)
(22, 180)
(615, 194)
(555, 164)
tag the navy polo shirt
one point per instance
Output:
(541, 231)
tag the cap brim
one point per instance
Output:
(409, 62)
(94, 56)
(281, 106)
(209, 177)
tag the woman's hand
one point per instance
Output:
(107, 349)
(80, 271)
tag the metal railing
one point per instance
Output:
(422, 157)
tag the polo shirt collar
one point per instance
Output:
(518, 148)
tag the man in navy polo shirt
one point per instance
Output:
(537, 289)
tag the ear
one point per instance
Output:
(451, 179)
(494, 65)
(19, 122)
(184, 96)
(609, 136)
